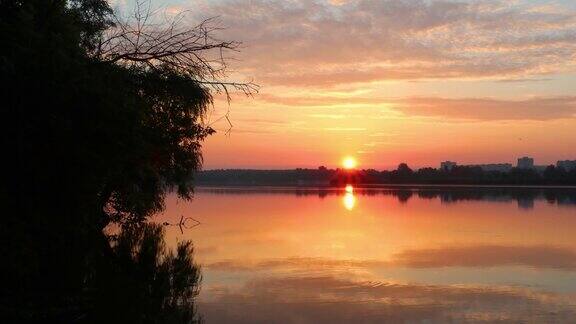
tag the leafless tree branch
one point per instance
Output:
(191, 51)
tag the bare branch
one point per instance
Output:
(191, 51)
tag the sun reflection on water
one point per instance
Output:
(349, 200)
(304, 249)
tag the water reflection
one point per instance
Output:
(525, 197)
(349, 200)
(69, 273)
(145, 282)
(329, 299)
(275, 255)
(349, 189)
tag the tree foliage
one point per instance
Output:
(101, 133)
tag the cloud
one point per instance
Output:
(491, 109)
(537, 108)
(327, 299)
(237, 130)
(438, 70)
(344, 129)
(328, 43)
(328, 116)
(318, 101)
(263, 121)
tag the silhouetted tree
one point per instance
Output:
(101, 133)
(336, 177)
(404, 170)
(402, 174)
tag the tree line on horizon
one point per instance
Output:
(403, 174)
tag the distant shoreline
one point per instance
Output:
(382, 186)
(403, 177)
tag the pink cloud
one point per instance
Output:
(318, 44)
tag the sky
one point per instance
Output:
(391, 81)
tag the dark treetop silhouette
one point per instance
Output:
(106, 117)
(464, 175)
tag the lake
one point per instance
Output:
(392, 255)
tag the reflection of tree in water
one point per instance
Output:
(70, 276)
(404, 195)
(525, 197)
(145, 282)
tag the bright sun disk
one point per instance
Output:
(349, 162)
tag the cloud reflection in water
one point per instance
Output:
(436, 255)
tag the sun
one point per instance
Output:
(349, 163)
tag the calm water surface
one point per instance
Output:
(273, 255)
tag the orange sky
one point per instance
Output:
(394, 81)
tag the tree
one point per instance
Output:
(194, 52)
(101, 133)
(404, 170)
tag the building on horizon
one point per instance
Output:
(500, 167)
(567, 165)
(525, 163)
(447, 165)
